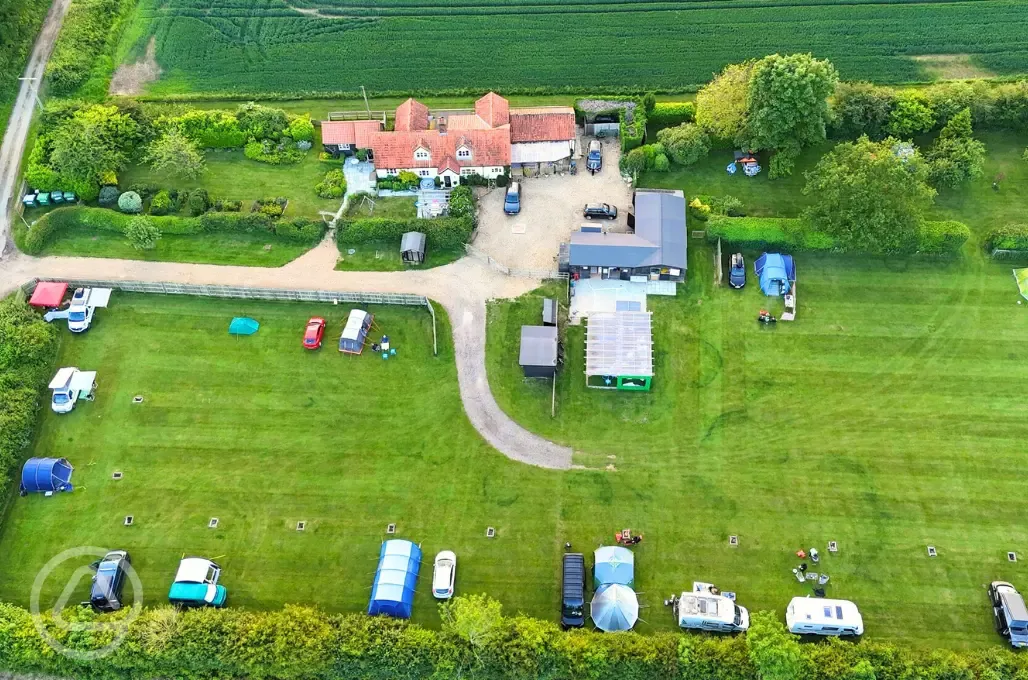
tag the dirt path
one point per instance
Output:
(462, 288)
(21, 116)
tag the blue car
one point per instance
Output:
(512, 200)
(594, 161)
(737, 272)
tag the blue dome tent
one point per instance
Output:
(614, 607)
(392, 593)
(613, 564)
(776, 273)
(41, 475)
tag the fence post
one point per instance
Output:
(435, 347)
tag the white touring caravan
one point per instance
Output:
(818, 616)
(706, 608)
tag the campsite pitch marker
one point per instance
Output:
(213, 524)
(733, 541)
(833, 546)
(490, 532)
(932, 552)
(128, 520)
(391, 529)
(138, 399)
(1012, 556)
(116, 475)
(300, 526)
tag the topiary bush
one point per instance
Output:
(942, 237)
(301, 129)
(199, 202)
(661, 163)
(161, 203)
(130, 202)
(108, 196)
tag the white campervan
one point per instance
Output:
(818, 616)
(706, 608)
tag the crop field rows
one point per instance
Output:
(334, 45)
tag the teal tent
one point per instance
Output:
(613, 564)
(242, 325)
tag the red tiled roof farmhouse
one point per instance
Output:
(353, 132)
(396, 149)
(554, 124)
(493, 109)
(411, 115)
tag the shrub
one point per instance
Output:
(474, 180)
(332, 186)
(462, 203)
(199, 202)
(261, 122)
(232, 206)
(145, 191)
(408, 179)
(649, 101)
(301, 129)
(301, 229)
(271, 210)
(698, 210)
(634, 162)
(209, 129)
(1009, 237)
(443, 232)
(685, 144)
(304, 146)
(723, 205)
(326, 156)
(669, 114)
(783, 161)
(502, 180)
(661, 163)
(130, 202)
(142, 233)
(108, 195)
(161, 203)
(942, 237)
(910, 116)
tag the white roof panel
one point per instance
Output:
(83, 381)
(192, 570)
(99, 297)
(353, 324)
(62, 378)
(539, 152)
(619, 343)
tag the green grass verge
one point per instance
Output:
(217, 248)
(381, 256)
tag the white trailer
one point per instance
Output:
(818, 616)
(84, 303)
(69, 385)
(707, 608)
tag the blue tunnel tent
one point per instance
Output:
(41, 475)
(776, 273)
(392, 593)
(613, 564)
(242, 325)
(355, 333)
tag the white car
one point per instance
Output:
(443, 575)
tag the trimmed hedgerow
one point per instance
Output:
(669, 114)
(941, 237)
(1009, 237)
(442, 232)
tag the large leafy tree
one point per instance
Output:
(860, 108)
(721, 104)
(92, 144)
(773, 650)
(175, 154)
(787, 101)
(868, 197)
(956, 156)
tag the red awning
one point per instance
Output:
(48, 294)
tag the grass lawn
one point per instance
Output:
(219, 248)
(888, 417)
(230, 175)
(384, 256)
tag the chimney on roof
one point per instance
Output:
(441, 125)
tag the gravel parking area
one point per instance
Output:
(551, 208)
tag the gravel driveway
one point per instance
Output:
(551, 208)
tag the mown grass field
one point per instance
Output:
(389, 45)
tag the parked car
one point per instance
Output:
(1009, 613)
(196, 584)
(512, 199)
(109, 581)
(572, 604)
(600, 211)
(444, 574)
(594, 161)
(315, 332)
(737, 271)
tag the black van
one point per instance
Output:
(109, 581)
(572, 605)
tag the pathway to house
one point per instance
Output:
(462, 288)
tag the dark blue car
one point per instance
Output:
(594, 161)
(737, 272)
(512, 199)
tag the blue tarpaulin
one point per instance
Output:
(776, 273)
(241, 325)
(393, 591)
(613, 564)
(46, 474)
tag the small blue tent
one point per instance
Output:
(392, 593)
(355, 333)
(46, 474)
(613, 564)
(776, 273)
(241, 325)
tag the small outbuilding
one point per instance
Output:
(46, 475)
(48, 294)
(619, 351)
(539, 351)
(412, 247)
(392, 593)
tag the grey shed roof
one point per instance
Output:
(619, 343)
(659, 238)
(538, 346)
(412, 240)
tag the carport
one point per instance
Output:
(619, 351)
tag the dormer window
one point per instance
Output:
(421, 154)
(464, 153)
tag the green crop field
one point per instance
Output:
(386, 45)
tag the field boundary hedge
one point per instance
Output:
(791, 234)
(47, 227)
(440, 232)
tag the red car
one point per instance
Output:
(314, 333)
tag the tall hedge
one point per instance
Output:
(47, 227)
(441, 232)
(300, 643)
(28, 346)
(669, 114)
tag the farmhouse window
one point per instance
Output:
(464, 152)
(421, 155)
(423, 173)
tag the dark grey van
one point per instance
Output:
(572, 605)
(1009, 613)
(109, 581)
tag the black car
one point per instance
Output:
(572, 604)
(109, 581)
(600, 211)
(737, 271)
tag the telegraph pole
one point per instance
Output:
(366, 105)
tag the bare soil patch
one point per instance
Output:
(131, 79)
(951, 67)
